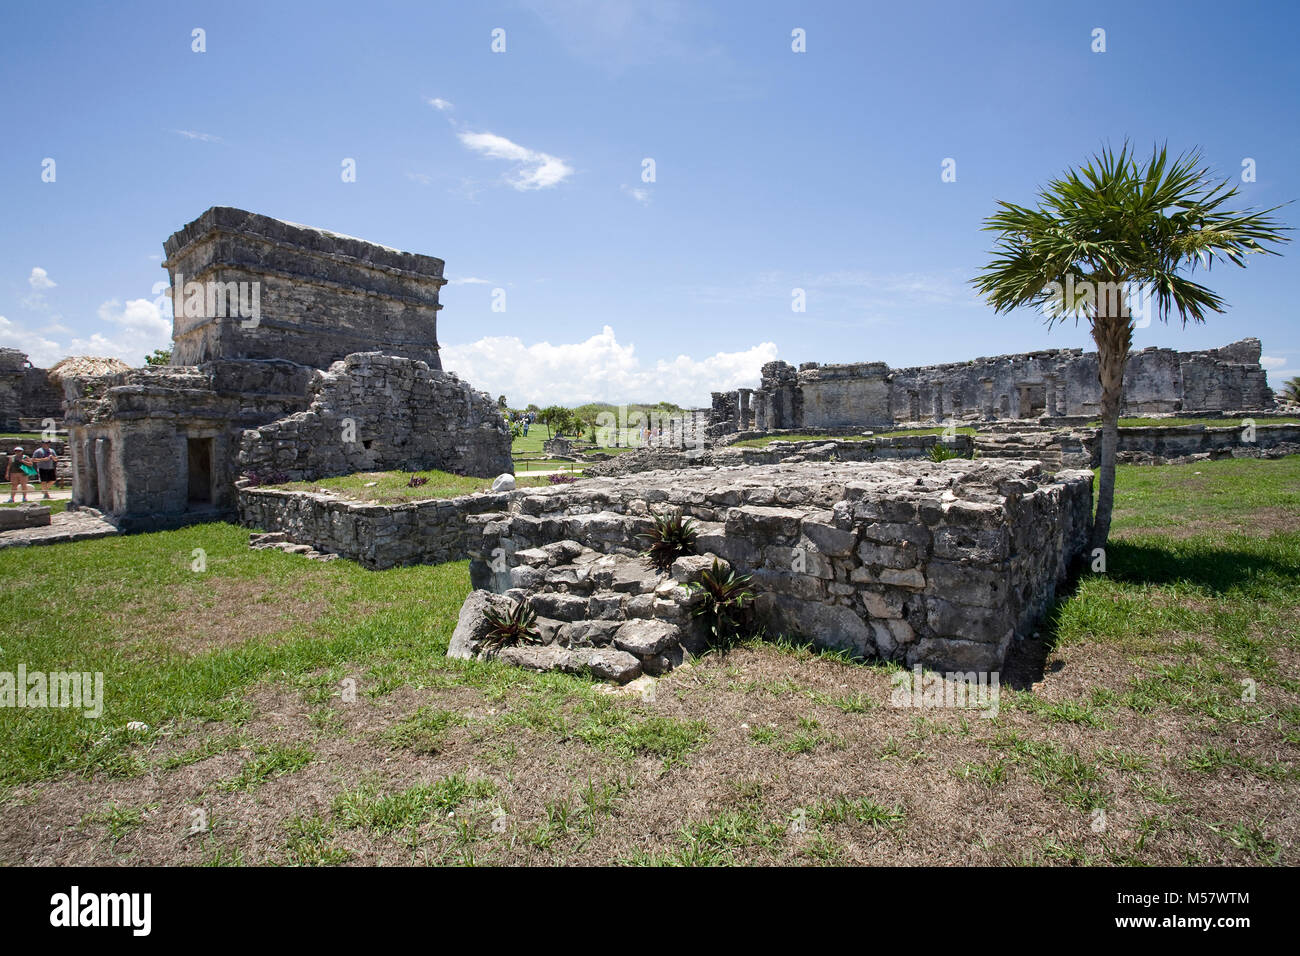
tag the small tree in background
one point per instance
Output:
(159, 357)
(1112, 226)
(1291, 390)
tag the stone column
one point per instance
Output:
(988, 398)
(745, 409)
(1049, 398)
(938, 403)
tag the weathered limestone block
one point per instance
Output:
(921, 562)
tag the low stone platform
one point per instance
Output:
(81, 524)
(939, 564)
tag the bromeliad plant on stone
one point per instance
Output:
(507, 628)
(728, 602)
(671, 537)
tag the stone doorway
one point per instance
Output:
(199, 455)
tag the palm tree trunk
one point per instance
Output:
(1113, 335)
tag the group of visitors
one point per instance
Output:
(22, 468)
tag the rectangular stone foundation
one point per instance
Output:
(939, 564)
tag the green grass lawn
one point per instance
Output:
(765, 440)
(391, 487)
(34, 498)
(1167, 695)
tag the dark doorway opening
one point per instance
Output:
(200, 470)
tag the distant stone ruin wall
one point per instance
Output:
(1151, 444)
(375, 412)
(1047, 384)
(375, 536)
(26, 392)
(827, 449)
(319, 295)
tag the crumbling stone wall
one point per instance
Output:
(26, 392)
(881, 448)
(375, 536)
(320, 295)
(1045, 384)
(941, 564)
(374, 412)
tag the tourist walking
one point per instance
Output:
(19, 472)
(46, 463)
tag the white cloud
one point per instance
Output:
(640, 195)
(40, 279)
(439, 104)
(1272, 362)
(42, 351)
(533, 170)
(468, 280)
(599, 369)
(201, 137)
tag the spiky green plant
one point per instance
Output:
(728, 602)
(507, 628)
(1119, 225)
(942, 451)
(1291, 390)
(671, 537)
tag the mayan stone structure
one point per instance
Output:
(319, 295)
(297, 352)
(1048, 384)
(26, 394)
(941, 564)
(374, 412)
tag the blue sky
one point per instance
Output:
(774, 170)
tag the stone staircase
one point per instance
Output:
(1024, 442)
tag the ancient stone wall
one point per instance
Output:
(26, 392)
(882, 448)
(373, 412)
(159, 445)
(1046, 384)
(375, 536)
(319, 295)
(940, 564)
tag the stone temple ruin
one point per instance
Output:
(1056, 383)
(298, 353)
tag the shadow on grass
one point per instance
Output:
(1222, 570)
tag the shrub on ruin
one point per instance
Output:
(728, 602)
(417, 480)
(256, 479)
(671, 537)
(941, 451)
(507, 628)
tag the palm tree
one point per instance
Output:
(1110, 230)
(1291, 390)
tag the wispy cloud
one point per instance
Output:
(468, 280)
(40, 279)
(201, 137)
(638, 193)
(533, 169)
(439, 104)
